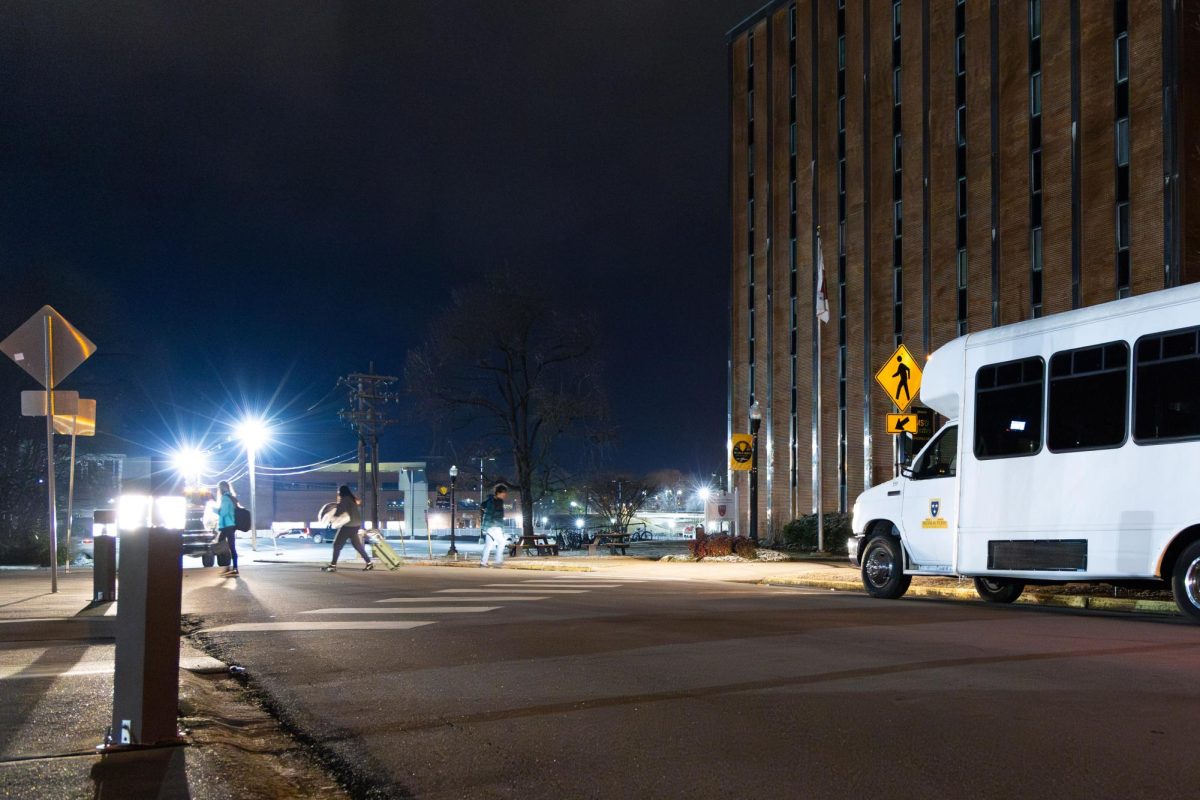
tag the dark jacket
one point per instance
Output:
(350, 508)
(493, 513)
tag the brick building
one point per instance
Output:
(969, 163)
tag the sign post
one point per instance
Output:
(81, 423)
(49, 348)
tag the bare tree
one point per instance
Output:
(619, 496)
(505, 364)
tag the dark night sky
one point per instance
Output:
(215, 192)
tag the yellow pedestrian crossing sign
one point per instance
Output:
(900, 377)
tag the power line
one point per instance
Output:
(367, 394)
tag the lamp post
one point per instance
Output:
(253, 434)
(755, 421)
(453, 551)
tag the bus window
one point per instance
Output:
(1008, 408)
(1088, 398)
(940, 459)
(1167, 372)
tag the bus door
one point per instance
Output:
(929, 498)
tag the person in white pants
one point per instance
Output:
(493, 525)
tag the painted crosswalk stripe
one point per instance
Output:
(574, 585)
(526, 590)
(11, 672)
(524, 587)
(585, 579)
(381, 625)
(509, 598)
(407, 610)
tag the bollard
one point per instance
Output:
(146, 676)
(104, 558)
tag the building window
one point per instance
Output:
(1035, 158)
(1121, 96)
(897, 184)
(960, 119)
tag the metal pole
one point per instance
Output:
(481, 491)
(253, 502)
(453, 551)
(754, 423)
(819, 495)
(71, 491)
(375, 480)
(53, 519)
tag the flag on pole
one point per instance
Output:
(822, 301)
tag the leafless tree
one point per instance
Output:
(619, 496)
(506, 364)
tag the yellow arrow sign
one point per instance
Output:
(901, 423)
(900, 377)
(741, 452)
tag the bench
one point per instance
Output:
(535, 545)
(613, 541)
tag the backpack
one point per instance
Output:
(241, 518)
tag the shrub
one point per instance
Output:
(801, 534)
(704, 546)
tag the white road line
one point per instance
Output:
(526, 590)
(501, 599)
(247, 627)
(585, 579)
(14, 672)
(407, 610)
(576, 585)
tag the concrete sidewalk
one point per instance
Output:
(56, 678)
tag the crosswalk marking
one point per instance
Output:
(526, 590)
(407, 610)
(251, 627)
(501, 599)
(11, 672)
(579, 585)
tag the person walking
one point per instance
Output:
(347, 518)
(492, 522)
(227, 523)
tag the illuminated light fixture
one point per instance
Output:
(579, 523)
(253, 433)
(704, 493)
(1017, 425)
(143, 511)
(190, 463)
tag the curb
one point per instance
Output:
(465, 564)
(1089, 602)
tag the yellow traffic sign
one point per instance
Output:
(901, 423)
(742, 452)
(900, 377)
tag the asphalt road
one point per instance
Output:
(465, 683)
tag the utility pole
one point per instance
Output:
(368, 392)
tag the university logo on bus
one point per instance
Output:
(933, 520)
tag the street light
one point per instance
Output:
(453, 551)
(755, 421)
(253, 434)
(191, 464)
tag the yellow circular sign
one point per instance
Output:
(742, 452)
(443, 490)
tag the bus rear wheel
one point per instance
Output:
(999, 590)
(883, 569)
(1185, 582)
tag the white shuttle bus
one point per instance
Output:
(1072, 454)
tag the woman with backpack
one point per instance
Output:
(227, 523)
(347, 518)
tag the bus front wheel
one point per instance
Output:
(1185, 582)
(883, 569)
(999, 590)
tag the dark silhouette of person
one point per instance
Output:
(901, 372)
